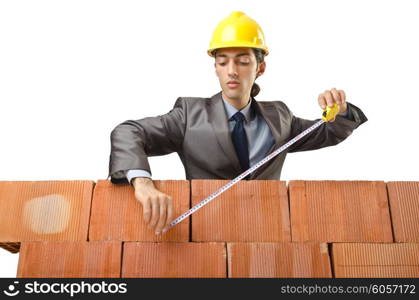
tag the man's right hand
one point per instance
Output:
(157, 206)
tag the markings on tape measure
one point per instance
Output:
(241, 176)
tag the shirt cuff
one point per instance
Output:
(130, 174)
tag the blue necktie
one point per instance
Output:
(240, 141)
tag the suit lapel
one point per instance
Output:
(218, 118)
(270, 114)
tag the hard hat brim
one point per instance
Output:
(235, 45)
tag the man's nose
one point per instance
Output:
(232, 69)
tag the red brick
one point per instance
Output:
(70, 259)
(404, 206)
(44, 210)
(340, 211)
(174, 260)
(376, 260)
(117, 215)
(278, 260)
(255, 211)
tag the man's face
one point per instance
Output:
(236, 69)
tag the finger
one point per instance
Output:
(147, 210)
(329, 98)
(336, 96)
(169, 211)
(322, 101)
(155, 213)
(163, 216)
(342, 96)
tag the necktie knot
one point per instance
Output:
(238, 117)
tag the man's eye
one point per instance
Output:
(244, 63)
(222, 63)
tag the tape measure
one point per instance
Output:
(328, 114)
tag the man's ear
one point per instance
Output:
(261, 69)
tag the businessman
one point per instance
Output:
(221, 136)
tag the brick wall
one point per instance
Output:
(262, 228)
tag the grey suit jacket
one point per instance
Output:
(197, 129)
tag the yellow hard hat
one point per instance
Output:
(237, 30)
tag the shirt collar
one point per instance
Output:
(231, 110)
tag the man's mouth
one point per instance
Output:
(232, 83)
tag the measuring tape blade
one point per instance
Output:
(241, 176)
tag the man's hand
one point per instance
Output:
(157, 206)
(330, 97)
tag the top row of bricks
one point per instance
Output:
(250, 211)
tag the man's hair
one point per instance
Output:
(260, 57)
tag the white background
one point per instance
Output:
(70, 71)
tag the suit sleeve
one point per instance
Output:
(328, 134)
(134, 140)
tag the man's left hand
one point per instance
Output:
(330, 97)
